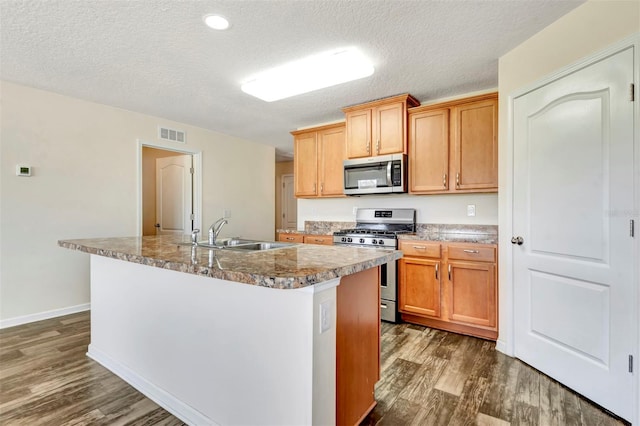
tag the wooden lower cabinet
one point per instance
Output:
(454, 289)
(420, 293)
(326, 240)
(289, 237)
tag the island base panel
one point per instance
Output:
(212, 351)
(357, 345)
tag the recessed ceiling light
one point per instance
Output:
(309, 74)
(216, 22)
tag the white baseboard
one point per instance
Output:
(25, 319)
(501, 346)
(184, 412)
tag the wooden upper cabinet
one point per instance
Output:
(429, 151)
(390, 129)
(475, 139)
(453, 146)
(318, 161)
(330, 161)
(305, 160)
(378, 127)
(359, 133)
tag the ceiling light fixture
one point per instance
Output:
(309, 74)
(216, 22)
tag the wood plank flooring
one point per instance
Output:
(429, 377)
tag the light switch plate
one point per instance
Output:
(471, 209)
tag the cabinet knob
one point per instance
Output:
(517, 240)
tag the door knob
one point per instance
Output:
(517, 240)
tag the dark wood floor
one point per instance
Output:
(429, 377)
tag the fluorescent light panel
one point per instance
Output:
(309, 74)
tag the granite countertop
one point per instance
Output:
(299, 265)
(479, 234)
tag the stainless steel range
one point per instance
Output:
(379, 228)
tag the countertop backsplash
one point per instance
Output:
(487, 234)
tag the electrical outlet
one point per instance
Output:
(471, 209)
(326, 310)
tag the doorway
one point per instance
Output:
(169, 190)
(289, 203)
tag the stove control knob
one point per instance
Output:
(380, 241)
(374, 241)
(361, 240)
(343, 239)
(349, 240)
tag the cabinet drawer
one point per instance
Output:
(291, 238)
(474, 252)
(420, 248)
(319, 239)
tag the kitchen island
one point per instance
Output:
(282, 336)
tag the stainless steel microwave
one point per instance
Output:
(376, 175)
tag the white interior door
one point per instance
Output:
(573, 201)
(174, 195)
(289, 203)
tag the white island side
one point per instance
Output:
(214, 351)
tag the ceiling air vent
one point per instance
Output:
(172, 135)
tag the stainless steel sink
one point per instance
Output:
(244, 245)
(260, 246)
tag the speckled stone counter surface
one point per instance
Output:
(319, 228)
(297, 266)
(481, 234)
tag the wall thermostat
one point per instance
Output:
(23, 170)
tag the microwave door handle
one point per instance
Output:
(389, 166)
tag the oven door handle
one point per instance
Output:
(389, 166)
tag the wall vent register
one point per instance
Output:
(172, 135)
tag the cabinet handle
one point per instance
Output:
(471, 251)
(289, 238)
(444, 180)
(368, 147)
(314, 187)
(449, 272)
(322, 187)
(436, 271)
(319, 240)
(378, 146)
(419, 247)
(458, 180)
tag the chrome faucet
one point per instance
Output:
(214, 230)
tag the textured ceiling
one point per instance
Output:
(157, 57)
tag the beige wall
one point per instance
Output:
(85, 182)
(584, 31)
(149, 157)
(282, 168)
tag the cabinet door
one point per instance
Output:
(290, 238)
(389, 128)
(472, 293)
(330, 167)
(429, 151)
(476, 145)
(325, 240)
(419, 281)
(359, 133)
(305, 160)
